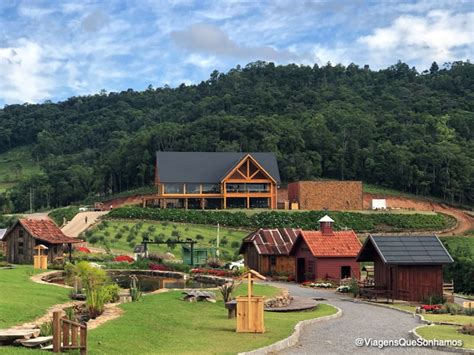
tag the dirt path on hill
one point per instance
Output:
(78, 224)
(465, 222)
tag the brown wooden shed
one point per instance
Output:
(267, 250)
(410, 267)
(25, 234)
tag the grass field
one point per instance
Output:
(121, 235)
(14, 165)
(22, 300)
(176, 327)
(446, 332)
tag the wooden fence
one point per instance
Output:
(68, 335)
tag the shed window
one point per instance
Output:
(174, 188)
(273, 260)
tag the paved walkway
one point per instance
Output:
(78, 224)
(359, 320)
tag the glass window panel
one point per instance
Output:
(174, 188)
(192, 188)
(211, 188)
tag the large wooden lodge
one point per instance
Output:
(215, 180)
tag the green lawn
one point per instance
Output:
(15, 164)
(448, 318)
(22, 300)
(176, 327)
(446, 332)
(119, 235)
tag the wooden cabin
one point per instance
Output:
(215, 180)
(25, 234)
(410, 268)
(267, 250)
(326, 254)
(3, 245)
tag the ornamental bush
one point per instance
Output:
(361, 222)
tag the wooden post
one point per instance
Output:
(74, 331)
(249, 300)
(66, 330)
(83, 340)
(56, 331)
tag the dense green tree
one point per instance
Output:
(393, 127)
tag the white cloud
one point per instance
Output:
(439, 36)
(211, 40)
(25, 73)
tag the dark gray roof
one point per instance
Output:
(2, 233)
(207, 167)
(408, 250)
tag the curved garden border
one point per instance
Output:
(293, 338)
(414, 334)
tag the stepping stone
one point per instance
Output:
(34, 342)
(14, 334)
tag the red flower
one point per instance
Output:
(159, 267)
(124, 258)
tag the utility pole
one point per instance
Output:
(217, 250)
(31, 200)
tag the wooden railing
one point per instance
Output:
(68, 335)
(448, 287)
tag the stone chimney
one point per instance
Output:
(325, 225)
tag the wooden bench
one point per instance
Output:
(370, 293)
(231, 307)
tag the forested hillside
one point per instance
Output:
(394, 127)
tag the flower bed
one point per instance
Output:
(159, 267)
(124, 258)
(317, 284)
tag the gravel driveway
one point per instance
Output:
(358, 320)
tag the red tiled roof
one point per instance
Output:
(46, 230)
(272, 241)
(339, 243)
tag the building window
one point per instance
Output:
(20, 241)
(193, 188)
(210, 189)
(235, 187)
(259, 202)
(258, 187)
(273, 260)
(174, 188)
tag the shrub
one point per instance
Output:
(274, 219)
(151, 228)
(46, 329)
(175, 233)
(224, 241)
(178, 267)
(434, 299)
(467, 329)
(226, 291)
(107, 233)
(93, 239)
(130, 237)
(112, 293)
(199, 237)
(469, 311)
(158, 258)
(235, 244)
(453, 308)
(213, 263)
(118, 236)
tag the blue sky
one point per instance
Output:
(51, 50)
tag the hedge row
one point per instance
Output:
(360, 222)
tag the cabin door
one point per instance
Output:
(300, 270)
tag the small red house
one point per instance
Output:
(326, 254)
